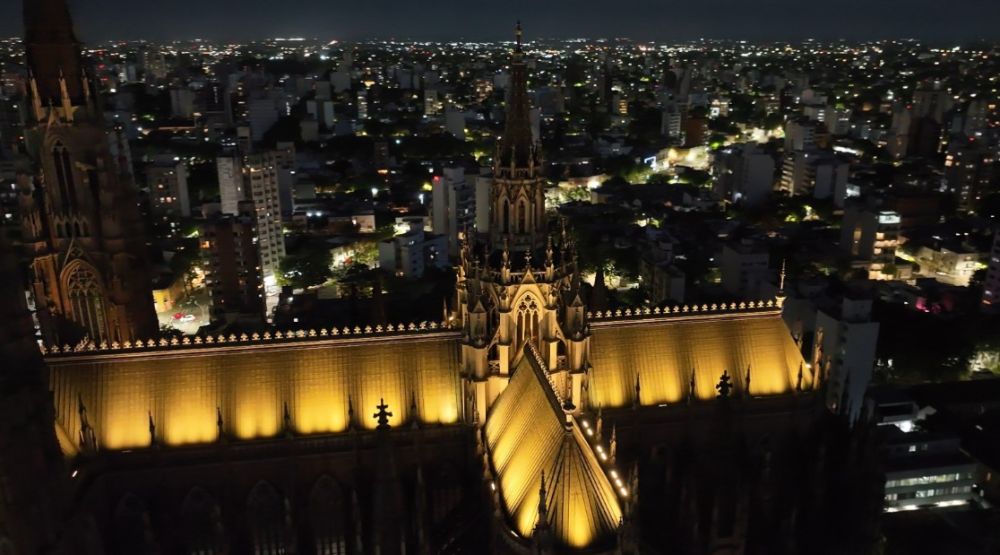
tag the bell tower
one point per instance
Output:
(519, 285)
(517, 198)
(78, 205)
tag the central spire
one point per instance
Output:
(517, 144)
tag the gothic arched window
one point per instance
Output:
(86, 298)
(327, 517)
(266, 519)
(522, 217)
(64, 176)
(202, 524)
(133, 532)
(527, 321)
(505, 222)
(446, 494)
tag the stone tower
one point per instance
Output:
(78, 205)
(519, 284)
(517, 198)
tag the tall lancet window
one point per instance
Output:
(201, 524)
(527, 322)
(328, 517)
(522, 217)
(64, 176)
(505, 223)
(87, 301)
(266, 517)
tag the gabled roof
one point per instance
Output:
(661, 354)
(528, 433)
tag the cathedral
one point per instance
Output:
(523, 422)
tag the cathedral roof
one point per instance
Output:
(327, 384)
(528, 434)
(661, 353)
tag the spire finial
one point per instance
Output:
(519, 36)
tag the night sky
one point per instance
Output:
(666, 20)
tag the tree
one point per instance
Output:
(308, 267)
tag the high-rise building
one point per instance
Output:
(870, 238)
(168, 189)
(803, 134)
(182, 102)
(233, 277)
(970, 172)
(231, 185)
(79, 207)
(453, 206)
(264, 175)
(455, 122)
(932, 100)
(744, 267)
(362, 104)
(262, 114)
(743, 173)
(817, 173)
(991, 287)
(844, 351)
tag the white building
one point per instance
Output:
(744, 267)
(453, 206)
(409, 254)
(991, 288)
(231, 187)
(844, 348)
(743, 174)
(801, 134)
(322, 112)
(455, 122)
(819, 173)
(263, 175)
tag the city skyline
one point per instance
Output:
(443, 20)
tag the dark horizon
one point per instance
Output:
(961, 21)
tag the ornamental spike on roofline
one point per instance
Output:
(645, 312)
(265, 338)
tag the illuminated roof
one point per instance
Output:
(528, 433)
(662, 352)
(185, 389)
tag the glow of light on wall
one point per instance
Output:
(251, 388)
(663, 357)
